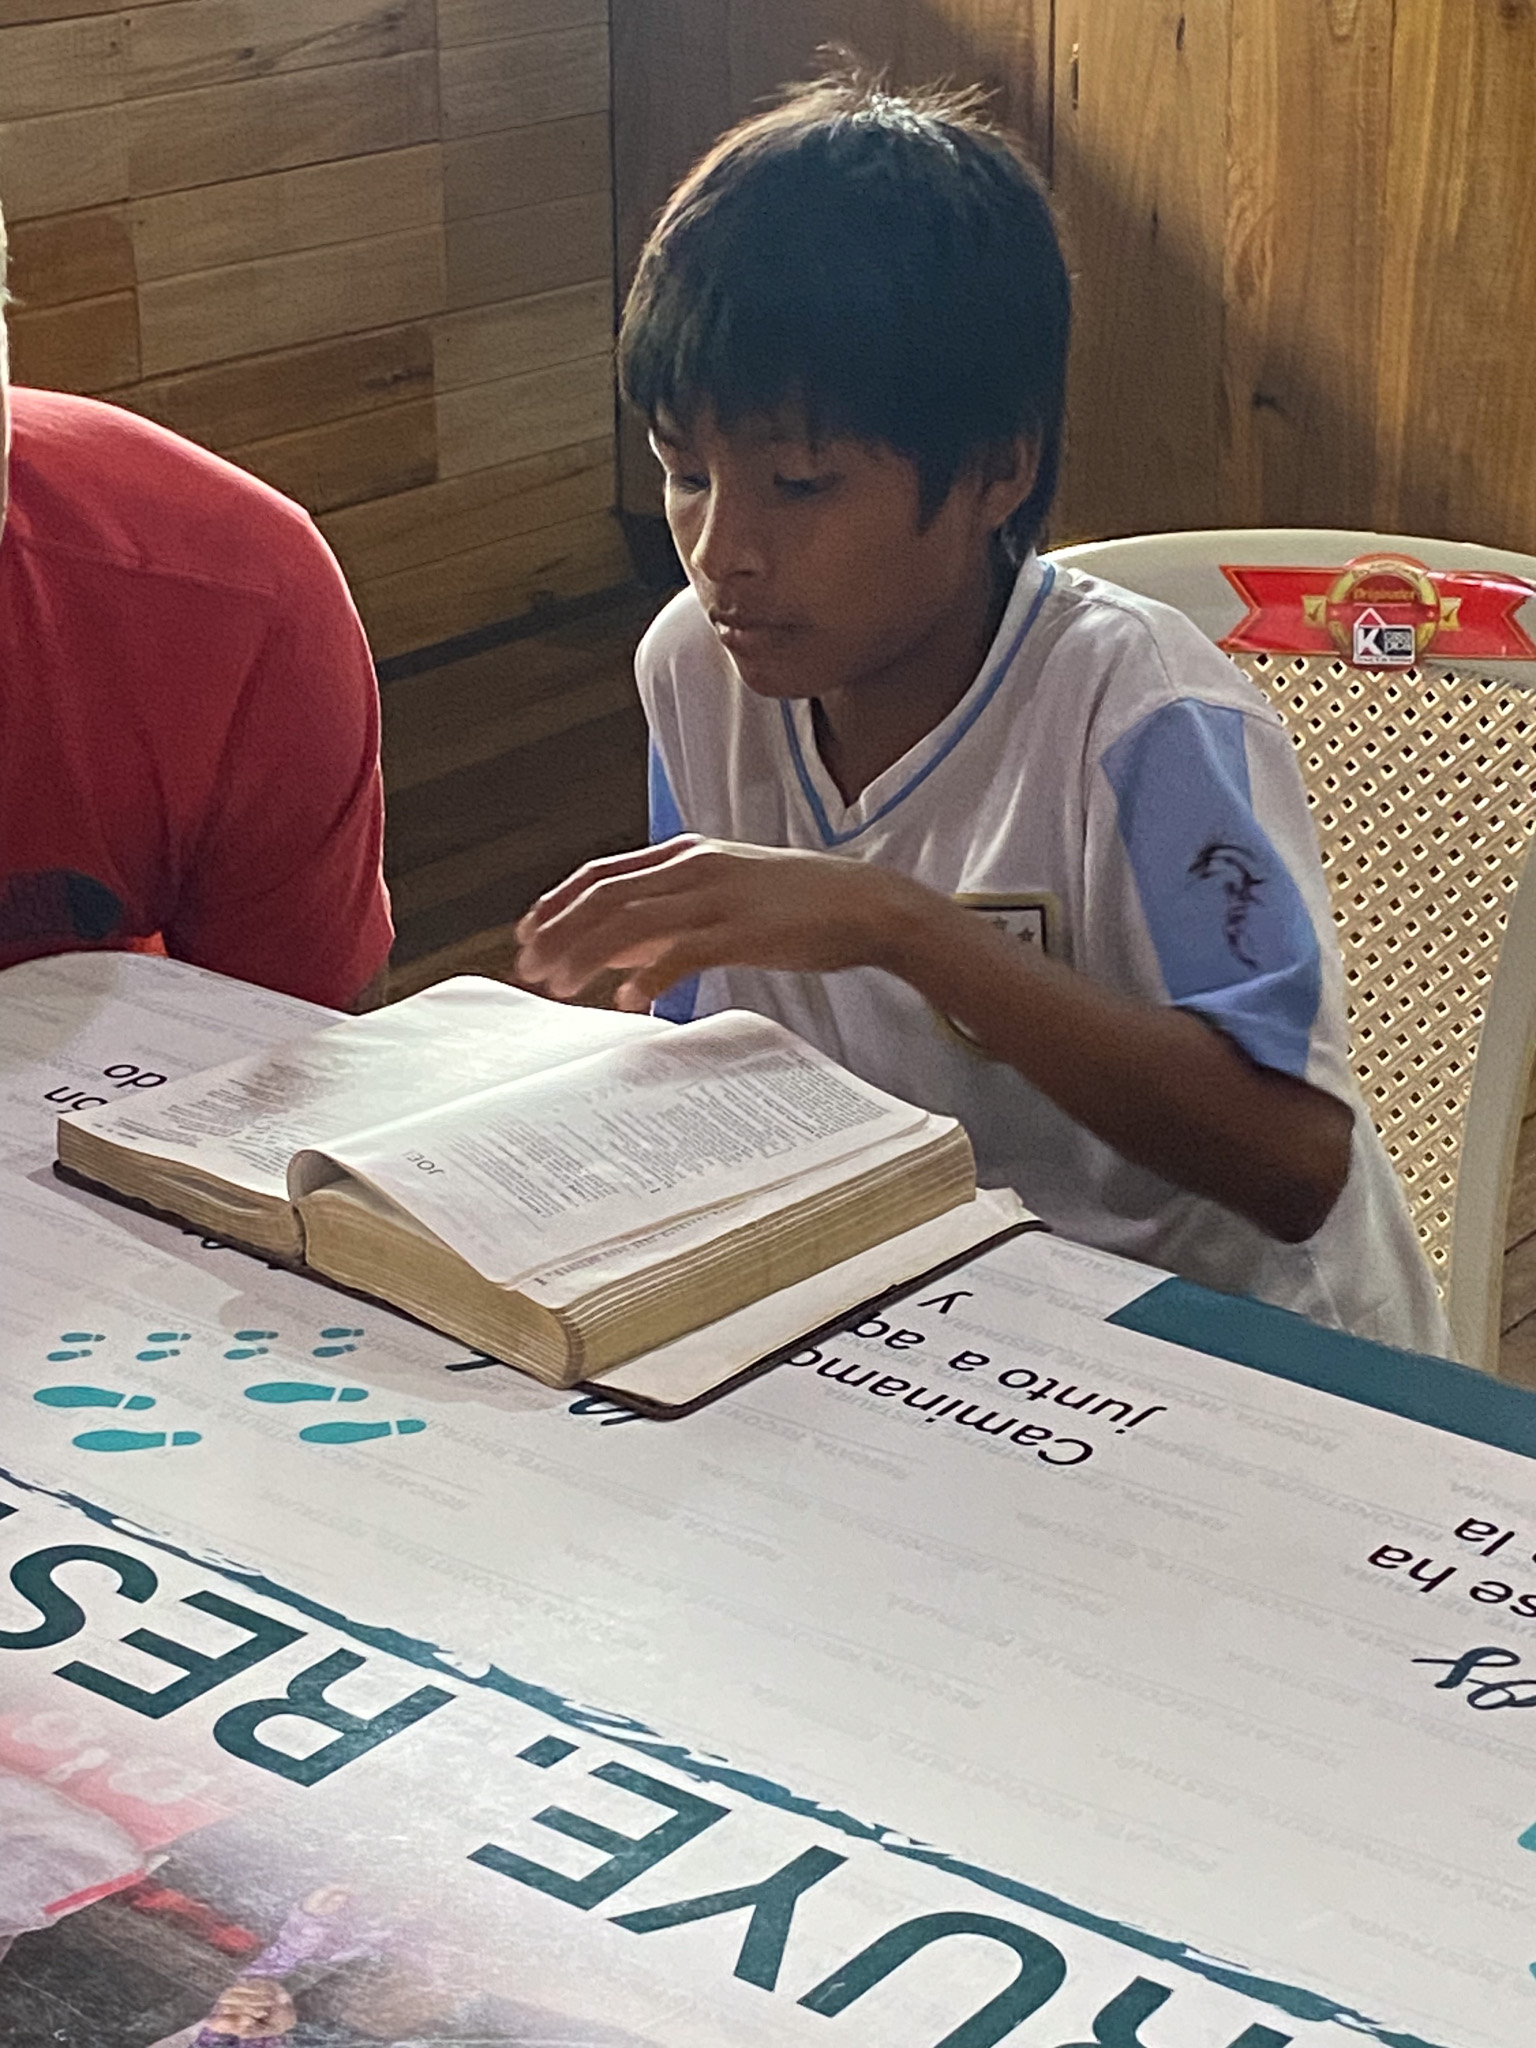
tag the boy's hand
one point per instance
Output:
(693, 903)
(1154, 1081)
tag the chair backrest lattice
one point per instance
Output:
(1424, 799)
(1422, 780)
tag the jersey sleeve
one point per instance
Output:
(285, 885)
(1206, 837)
(655, 680)
(666, 820)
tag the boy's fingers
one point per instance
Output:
(709, 948)
(595, 872)
(640, 901)
(612, 925)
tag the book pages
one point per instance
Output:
(521, 1179)
(243, 1121)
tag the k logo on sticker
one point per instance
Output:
(1378, 645)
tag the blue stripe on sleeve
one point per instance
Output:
(676, 1003)
(666, 818)
(1233, 937)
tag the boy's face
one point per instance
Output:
(812, 567)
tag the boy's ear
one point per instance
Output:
(1007, 478)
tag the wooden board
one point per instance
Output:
(524, 79)
(387, 192)
(56, 66)
(71, 256)
(524, 721)
(1004, 46)
(1302, 273)
(14, 11)
(229, 404)
(665, 114)
(349, 460)
(465, 701)
(486, 21)
(246, 308)
(390, 536)
(1140, 159)
(447, 841)
(88, 346)
(517, 416)
(60, 163)
(524, 334)
(483, 585)
(266, 124)
(183, 44)
(1458, 421)
(498, 256)
(518, 167)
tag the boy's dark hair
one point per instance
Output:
(885, 265)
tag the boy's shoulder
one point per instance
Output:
(679, 637)
(1130, 654)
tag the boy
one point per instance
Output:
(1008, 841)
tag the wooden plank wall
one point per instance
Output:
(362, 247)
(1302, 231)
(1308, 263)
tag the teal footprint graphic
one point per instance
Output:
(356, 1432)
(337, 1342)
(81, 1344)
(168, 1341)
(91, 1397)
(282, 1393)
(250, 1343)
(134, 1439)
(79, 1338)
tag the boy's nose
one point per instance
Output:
(727, 543)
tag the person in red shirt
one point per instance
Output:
(189, 718)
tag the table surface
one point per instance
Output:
(997, 1671)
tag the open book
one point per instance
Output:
(561, 1188)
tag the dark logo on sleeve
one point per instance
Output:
(1234, 868)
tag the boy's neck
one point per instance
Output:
(865, 727)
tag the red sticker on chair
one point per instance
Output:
(1381, 611)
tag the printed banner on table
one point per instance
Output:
(988, 1673)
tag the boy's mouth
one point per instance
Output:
(739, 630)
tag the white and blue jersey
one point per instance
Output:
(1110, 787)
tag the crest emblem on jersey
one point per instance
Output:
(1030, 917)
(1381, 612)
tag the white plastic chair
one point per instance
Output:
(1419, 754)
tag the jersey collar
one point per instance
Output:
(837, 822)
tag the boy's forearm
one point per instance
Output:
(1160, 1086)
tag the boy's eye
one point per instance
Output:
(686, 480)
(802, 486)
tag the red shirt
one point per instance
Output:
(189, 719)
